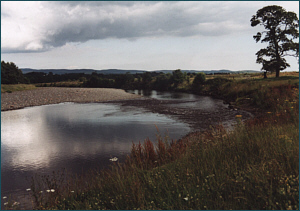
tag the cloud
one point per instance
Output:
(40, 26)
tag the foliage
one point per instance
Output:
(163, 82)
(11, 74)
(199, 81)
(41, 77)
(146, 80)
(124, 81)
(282, 29)
(177, 77)
(96, 81)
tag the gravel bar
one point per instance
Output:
(54, 95)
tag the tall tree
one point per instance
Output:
(11, 74)
(281, 31)
(177, 77)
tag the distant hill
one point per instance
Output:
(120, 71)
(85, 71)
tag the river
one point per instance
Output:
(80, 137)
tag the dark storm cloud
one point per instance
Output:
(82, 21)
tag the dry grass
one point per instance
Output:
(8, 88)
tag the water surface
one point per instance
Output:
(77, 137)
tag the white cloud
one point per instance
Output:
(38, 26)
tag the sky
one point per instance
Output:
(136, 35)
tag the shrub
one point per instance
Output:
(199, 80)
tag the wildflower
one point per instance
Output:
(113, 159)
(238, 116)
(4, 197)
(6, 203)
(72, 191)
(269, 112)
(41, 191)
(28, 189)
(48, 191)
(15, 203)
(186, 198)
(52, 190)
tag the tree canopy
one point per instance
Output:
(281, 31)
(11, 74)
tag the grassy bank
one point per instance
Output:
(255, 166)
(8, 88)
(252, 93)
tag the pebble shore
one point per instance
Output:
(54, 95)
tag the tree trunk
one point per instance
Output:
(278, 58)
(265, 74)
(277, 73)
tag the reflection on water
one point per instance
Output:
(187, 100)
(165, 95)
(77, 137)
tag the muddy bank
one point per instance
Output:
(197, 118)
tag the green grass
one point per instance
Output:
(8, 88)
(61, 84)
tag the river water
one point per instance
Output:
(79, 137)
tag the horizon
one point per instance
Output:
(134, 35)
(151, 70)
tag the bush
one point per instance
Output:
(199, 80)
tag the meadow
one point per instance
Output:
(253, 166)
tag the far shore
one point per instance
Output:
(55, 95)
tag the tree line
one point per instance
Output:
(11, 74)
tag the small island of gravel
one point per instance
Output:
(54, 95)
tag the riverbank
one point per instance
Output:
(255, 166)
(193, 112)
(54, 95)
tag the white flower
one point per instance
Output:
(15, 203)
(52, 190)
(4, 197)
(6, 203)
(48, 191)
(28, 189)
(72, 191)
(113, 159)
(41, 191)
(186, 198)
